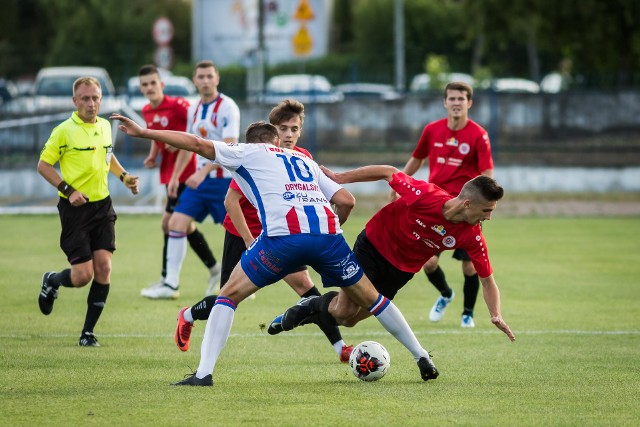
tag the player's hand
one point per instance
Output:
(501, 324)
(331, 174)
(128, 126)
(195, 179)
(172, 188)
(131, 181)
(78, 199)
(393, 196)
(150, 162)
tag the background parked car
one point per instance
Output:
(53, 89)
(421, 83)
(173, 86)
(306, 88)
(514, 85)
(368, 91)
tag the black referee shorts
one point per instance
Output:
(86, 229)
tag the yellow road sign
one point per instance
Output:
(304, 11)
(302, 42)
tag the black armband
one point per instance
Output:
(66, 189)
(122, 175)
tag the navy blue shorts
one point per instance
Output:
(269, 259)
(207, 199)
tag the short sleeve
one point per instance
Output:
(409, 188)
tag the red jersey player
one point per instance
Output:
(458, 150)
(405, 233)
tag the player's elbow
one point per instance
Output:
(344, 200)
(42, 165)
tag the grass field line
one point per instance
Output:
(311, 334)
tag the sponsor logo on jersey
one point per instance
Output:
(452, 142)
(439, 229)
(464, 148)
(420, 223)
(301, 187)
(305, 198)
(449, 241)
(441, 160)
(431, 243)
(288, 195)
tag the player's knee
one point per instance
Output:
(80, 278)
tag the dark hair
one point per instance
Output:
(147, 69)
(484, 187)
(261, 132)
(461, 86)
(285, 110)
(205, 64)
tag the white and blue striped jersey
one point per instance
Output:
(288, 189)
(217, 120)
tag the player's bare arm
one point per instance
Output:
(49, 173)
(182, 140)
(232, 204)
(491, 295)
(130, 181)
(343, 202)
(363, 174)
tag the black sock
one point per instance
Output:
(164, 255)
(312, 292)
(440, 282)
(323, 319)
(62, 278)
(202, 309)
(95, 304)
(471, 287)
(200, 246)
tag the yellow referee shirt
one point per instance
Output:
(84, 151)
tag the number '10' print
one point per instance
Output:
(295, 165)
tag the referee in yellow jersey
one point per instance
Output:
(83, 147)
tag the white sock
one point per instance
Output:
(186, 315)
(215, 335)
(393, 321)
(337, 346)
(176, 252)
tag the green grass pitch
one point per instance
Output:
(569, 291)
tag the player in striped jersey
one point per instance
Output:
(243, 226)
(299, 227)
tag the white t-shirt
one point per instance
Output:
(287, 188)
(216, 120)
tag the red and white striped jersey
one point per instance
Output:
(288, 189)
(216, 120)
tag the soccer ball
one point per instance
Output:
(369, 361)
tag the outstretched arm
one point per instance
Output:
(363, 174)
(182, 140)
(491, 295)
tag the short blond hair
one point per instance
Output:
(86, 81)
